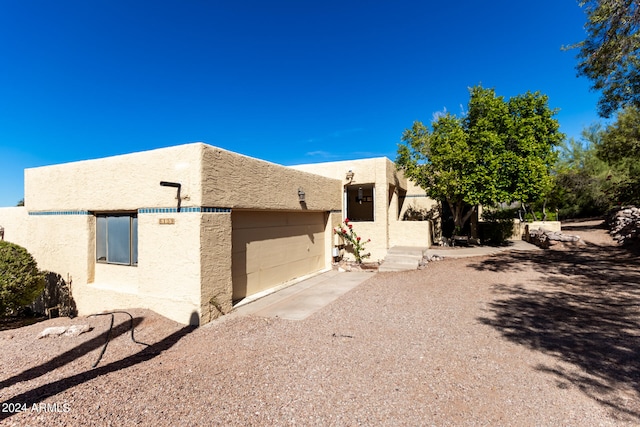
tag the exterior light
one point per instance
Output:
(301, 195)
(350, 175)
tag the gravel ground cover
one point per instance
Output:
(520, 338)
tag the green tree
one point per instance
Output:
(609, 54)
(20, 280)
(500, 151)
(620, 148)
(532, 135)
(581, 179)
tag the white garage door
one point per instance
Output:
(270, 248)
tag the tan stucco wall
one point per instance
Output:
(210, 176)
(64, 244)
(379, 170)
(416, 198)
(241, 182)
(520, 229)
(125, 182)
(410, 233)
(15, 222)
(59, 243)
(166, 279)
(215, 268)
(377, 247)
(184, 269)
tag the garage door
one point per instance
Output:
(270, 248)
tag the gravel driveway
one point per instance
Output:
(526, 339)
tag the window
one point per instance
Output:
(360, 203)
(117, 239)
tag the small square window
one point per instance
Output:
(360, 202)
(117, 239)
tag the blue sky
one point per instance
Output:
(286, 81)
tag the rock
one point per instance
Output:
(545, 238)
(624, 224)
(75, 330)
(67, 331)
(52, 331)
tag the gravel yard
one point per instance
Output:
(542, 338)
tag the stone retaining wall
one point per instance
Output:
(624, 224)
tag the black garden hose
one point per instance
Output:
(109, 332)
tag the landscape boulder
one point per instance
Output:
(547, 238)
(624, 224)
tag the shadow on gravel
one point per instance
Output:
(42, 392)
(585, 311)
(69, 356)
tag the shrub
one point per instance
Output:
(20, 280)
(357, 244)
(499, 225)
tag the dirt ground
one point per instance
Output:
(540, 338)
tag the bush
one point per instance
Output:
(20, 280)
(498, 227)
(349, 235)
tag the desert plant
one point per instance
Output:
(20, 280)
(346, 232)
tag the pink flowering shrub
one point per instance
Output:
(345, 231)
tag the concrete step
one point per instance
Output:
(397, 267)
(399, 259)
(402, 258)
(407, 250)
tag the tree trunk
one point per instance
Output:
(533, 213)
(456, 210)
(459, 220)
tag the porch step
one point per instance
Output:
(403, 258)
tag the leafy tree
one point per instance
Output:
(580, 178)
(620, 147)
(499, 151)
(533, 134)
(20, 280)
(609, 56)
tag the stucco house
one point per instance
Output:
(188, 231)
(375, 197)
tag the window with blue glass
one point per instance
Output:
(117, 239)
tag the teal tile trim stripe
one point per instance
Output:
(200, 209)
(51, 213)
(415, 195)
(140, 211)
